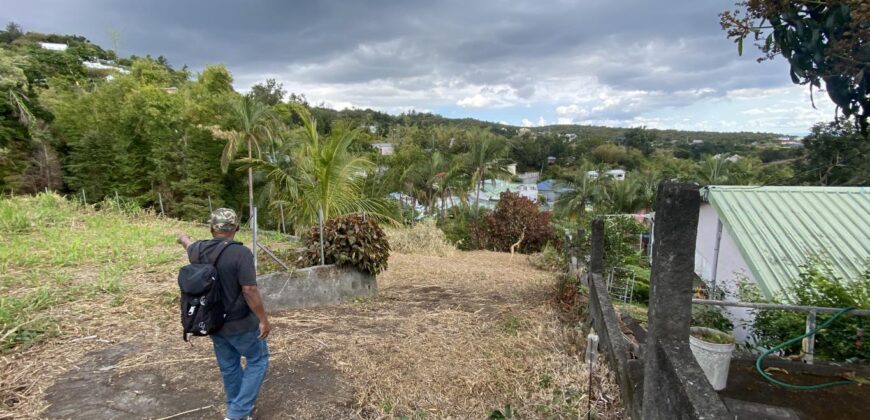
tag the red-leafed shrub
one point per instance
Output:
(515, 217)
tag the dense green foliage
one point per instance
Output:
(818, 286)
(354, 240)
(835, 154)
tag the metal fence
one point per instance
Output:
(809, 343)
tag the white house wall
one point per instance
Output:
(730, 268)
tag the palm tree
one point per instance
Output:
(572, 204)
(429, 179)
(713, 170)
(253, 126)
(322, 174)
(484, 160)
(626, 196)
(402, 173)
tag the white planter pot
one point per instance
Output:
(714, 358)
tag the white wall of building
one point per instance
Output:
(730, 269)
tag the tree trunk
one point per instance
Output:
(480, 184)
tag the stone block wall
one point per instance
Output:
(314, 286)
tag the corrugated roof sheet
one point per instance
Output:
(778, 228)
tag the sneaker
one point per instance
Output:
(240, 418)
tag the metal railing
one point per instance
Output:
(809, 343)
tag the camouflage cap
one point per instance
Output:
(224, 220)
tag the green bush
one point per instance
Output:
(551, 258)
(817, 285)
(456, 229)
(621, 242)
(349, 240)
(641, 283)
(711, 317)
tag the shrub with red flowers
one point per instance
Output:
(515, 217)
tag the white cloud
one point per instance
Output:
(476, 101)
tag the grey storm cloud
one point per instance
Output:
(430, 53)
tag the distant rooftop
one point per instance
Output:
(53, 46)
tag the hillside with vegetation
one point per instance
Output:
(83, 121)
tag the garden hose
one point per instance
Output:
(792, 341)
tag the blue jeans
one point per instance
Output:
(241, 385)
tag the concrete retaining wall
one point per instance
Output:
(314, 286)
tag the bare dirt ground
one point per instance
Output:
(447, 337)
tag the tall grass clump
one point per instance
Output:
(23, 214)
(424, 238)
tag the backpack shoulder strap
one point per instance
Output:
(220, 250)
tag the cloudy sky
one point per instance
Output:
(662, 63)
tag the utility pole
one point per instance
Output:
(320, 220)
(254, 235)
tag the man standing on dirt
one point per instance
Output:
(246, 328)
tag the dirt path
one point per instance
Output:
(447, 337)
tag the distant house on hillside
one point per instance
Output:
(53, 46)
(490, 192)
(592, 174)
(529, 177)
(617, 174)
(529, 191)
(99, 65)
(696, 141)
(511, 168)
(385, 149)
(551, 160)
(764, 235)
(551, 190)
(732, 158)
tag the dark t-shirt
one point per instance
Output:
(235, 269)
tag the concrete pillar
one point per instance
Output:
(674, 385)
(596, 255)
(673, 265)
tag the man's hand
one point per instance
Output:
(255, 302)
(183, 239)
(265, 328)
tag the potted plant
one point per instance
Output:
(712, 349)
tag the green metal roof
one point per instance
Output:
(778, 228)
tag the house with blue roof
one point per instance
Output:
(550, 190)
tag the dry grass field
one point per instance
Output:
(454, 336)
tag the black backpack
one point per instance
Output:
(202, 309)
